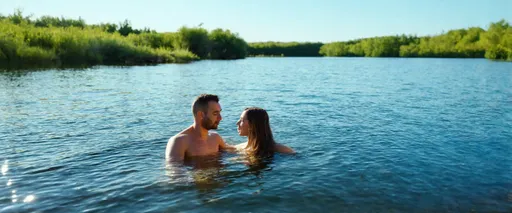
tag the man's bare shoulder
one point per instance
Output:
(176, 145)
(214, 135)
(179, 138)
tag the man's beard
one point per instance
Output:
(208, 124)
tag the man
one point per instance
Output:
(196, 140)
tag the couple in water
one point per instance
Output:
(196, 140)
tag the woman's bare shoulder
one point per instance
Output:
(283, 149)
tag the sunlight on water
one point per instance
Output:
(14, 197)
(29, 199)
(9, 182)
(5, 167)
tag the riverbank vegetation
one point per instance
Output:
(309, 49)
(48, 41)
(494, 43)
(62, 42)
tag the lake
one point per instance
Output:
(371, 135)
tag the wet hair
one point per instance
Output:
(201, 103)
(260, 139)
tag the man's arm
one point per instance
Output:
(176, 148)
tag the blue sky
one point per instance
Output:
(280, 20)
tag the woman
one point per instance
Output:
(254, 124)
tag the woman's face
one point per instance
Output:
(243, 125)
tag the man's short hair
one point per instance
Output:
(201, 102)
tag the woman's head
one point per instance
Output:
(254, 123)
(243, 124)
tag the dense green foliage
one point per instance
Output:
(217, 44)
(24, 45)
(61, 42)
(284, 49)
(387, 46)
(226, 45)
(495, 43)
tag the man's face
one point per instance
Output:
(212, 117)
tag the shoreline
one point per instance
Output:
(59, 43)
(85, 67)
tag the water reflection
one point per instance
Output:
(14, 197)
(209, 175)
(10, 184)
(5, 167)
(29, 69)
(13, 75)
(257, 165)
(203, 172)
(29, 199)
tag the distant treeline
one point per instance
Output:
(284, 49)
(495, 43)
(62, 42)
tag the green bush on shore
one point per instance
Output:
(24, 45)
(60, 42)
(475, 42)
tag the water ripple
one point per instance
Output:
(372, 135)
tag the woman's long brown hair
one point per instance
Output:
(260, 139)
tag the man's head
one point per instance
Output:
(206, 110)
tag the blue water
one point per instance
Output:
(372, 135)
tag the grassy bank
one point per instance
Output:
(25, 45)
(60, 42)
